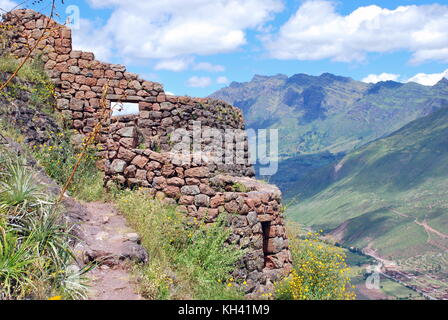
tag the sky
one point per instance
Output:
(196, 47)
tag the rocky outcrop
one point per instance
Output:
(16, 109)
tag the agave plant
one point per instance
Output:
(49, 236)
(73, 281)
(18, 191)
(16, 261)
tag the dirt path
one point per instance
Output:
(374, 254)
(108, 240)
(427, 227)
(423, 224)
(103, 237)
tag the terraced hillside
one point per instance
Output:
(389, 198)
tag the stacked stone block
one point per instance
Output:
(137, 149)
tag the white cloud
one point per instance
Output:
(206, 66)
(177, 64)
(7, 5)
(222, 80)
(174, 28)
(374, 78)
(199, 82)
(184, 63)
(316, 31)
(428, 79)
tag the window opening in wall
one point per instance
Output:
(124, 108)
(265, 226)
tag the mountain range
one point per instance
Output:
(322, 118)
(367, 163)
(329, 113)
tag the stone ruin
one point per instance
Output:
(137, 150)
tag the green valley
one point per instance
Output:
(389, 198)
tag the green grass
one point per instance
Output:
(41, 90)
(7, 130)
(187, 258)
(398, 291)
(31, 71)
(59, 158)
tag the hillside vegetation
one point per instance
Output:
(329, 113)
(36, 260)
(322, 118)
(390, 195)
(187, 258)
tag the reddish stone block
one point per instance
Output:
(217, 201)
(175, 181)
(83, 63)
(130, 171)
(80, 79)
(90, 81)
(75, 54)
(159, 183)
(79, 95)
(61, 67)
(62, 58)
(198, 172)
(68, 77)
(172, 191)
(141, 175)
(186, 200)
(98, 73)
(90, 95)
(140, 161)
(89, 56)
(168, 170)
(126, 154)
(153, 165)
(109, 74)
(231, 207)
(193, 181)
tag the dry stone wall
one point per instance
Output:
(138, 149)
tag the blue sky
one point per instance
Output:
(196, 47)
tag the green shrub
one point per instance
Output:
(319, 272)
(59, 158)
(18, 191)
(239, 187)
(187, 258)
(36, 261)
(42, 91)
(16, 266)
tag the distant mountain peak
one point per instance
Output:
(235, 84)
(389, 84)
(332, 77)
